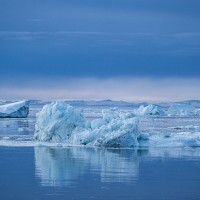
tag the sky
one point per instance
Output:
(100, 49)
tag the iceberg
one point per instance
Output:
(59, 122)
(181, 110)
(15, 110)
(149, 110)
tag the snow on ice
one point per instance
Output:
(149, 110)
(181, 110)
(59, 122)
(15, 110)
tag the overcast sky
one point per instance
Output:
(85, 48)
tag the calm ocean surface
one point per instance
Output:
(92, 173)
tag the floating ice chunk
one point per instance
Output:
(6, 138)
(181, 110)
(20, 129)
(197, 112)
(57, 121)
(15, 110)
(181, 139)
(149, 110)
(190, 128)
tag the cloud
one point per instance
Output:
(35, 20)
(42, 34)
(187, 34)
(138, 42)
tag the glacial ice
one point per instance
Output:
(181, 139)
(15, 110)
(174, 110)
(149, 110)
(181, 110)
(59, 122)
(197, 112)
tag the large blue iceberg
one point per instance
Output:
(59, 122)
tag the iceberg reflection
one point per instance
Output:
(61, 166)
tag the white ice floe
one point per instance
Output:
(197, 112)
(181, 139)
(181, 110)
(59, 122)
(190, 128)
(15, 110)
(149, 110)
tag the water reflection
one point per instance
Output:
(58, 166)
(63, 166)
(175, 153)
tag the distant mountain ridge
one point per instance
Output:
(107, 102)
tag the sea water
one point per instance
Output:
(91, 173)
(57, 172)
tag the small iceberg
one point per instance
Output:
(15, 110)
(151, 109)
(181, 110)
(60, 122)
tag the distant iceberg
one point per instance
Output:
(15, 110)
(181, 110)
(175, 109)
(149, 110)
(59, 122)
